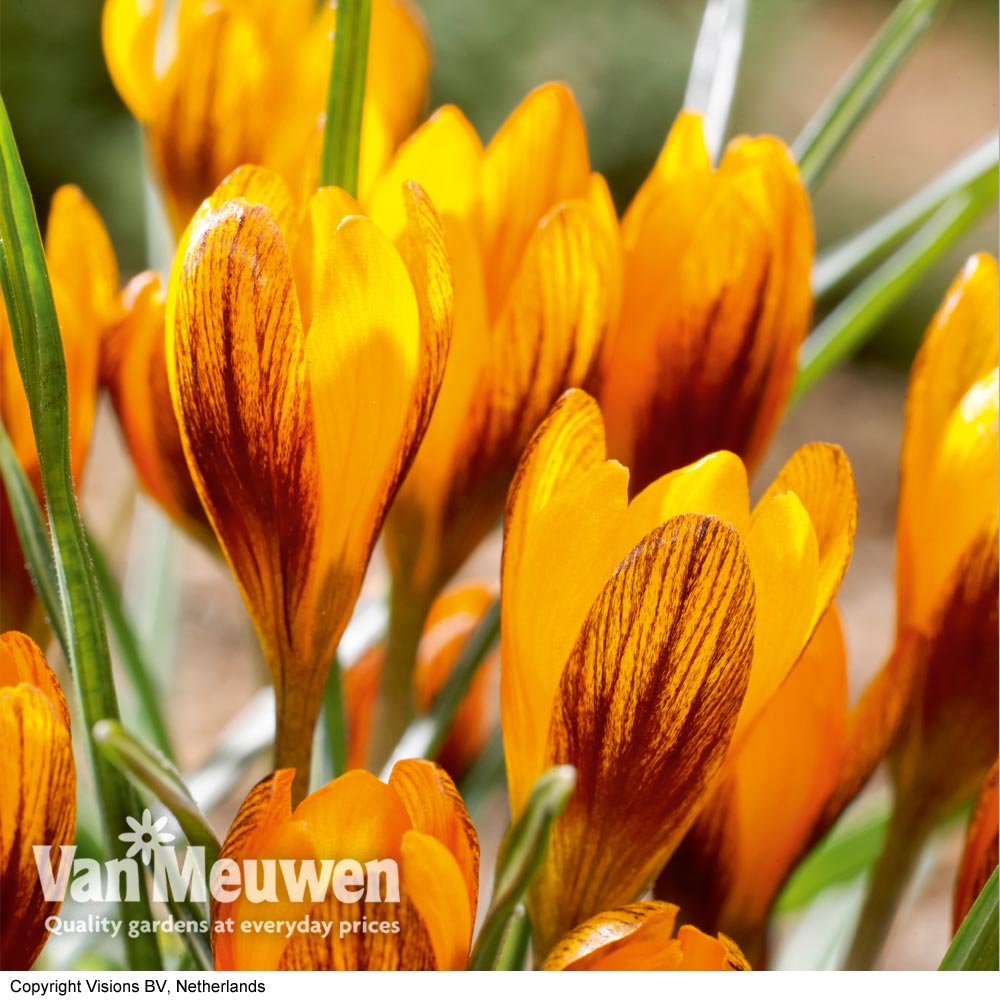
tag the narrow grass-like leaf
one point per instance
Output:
(855, 319)
(33, 536)
(514, 949)
(132, 657)
(521, 854)
(425, 735)
(973, 173)
(841, 857)
(346, 96)
(149, 770)
(715, 66)
(830, 128)
(974, 947)
(42, 364)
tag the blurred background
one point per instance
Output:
(626, 61)
(628, 64)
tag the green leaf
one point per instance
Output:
(521, 854)
(715, 66)
(132, 657)
(425, 735)
(855, 319)
(974, 947)
(42, 364)
(150, 771)
(971, 175)
(346, 97)
(840, 857)
(830, 128)
(514, 949)
(29, 521)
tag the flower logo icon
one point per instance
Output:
(146, 836)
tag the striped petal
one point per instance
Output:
(645, 710)
(753, 830)
(38, 797)
(641, 937)
(716, 303)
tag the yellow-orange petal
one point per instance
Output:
(38, 796)
(434, 882)
(411, 949)
(947, 493)
(641, 937)
(729, 869)
(979, 856)
(784, 559)
(436, 808)
(820, 476)
(444, 156)
(645, 711)
(239, 380)
(134, 367)
(128, 35)
(536, 160)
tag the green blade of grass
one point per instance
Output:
(346, 97)
(132, 658)
(829, 129)
(148, 769)
(973, 173)
(848, 327)
(974, 947)
(521, 854)
(33, 536)
(42, 364)
(715, 67)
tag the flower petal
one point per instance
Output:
(538, 159)
(947, 425)
(436, 808)
(128, 34)
(38, 796)
(645, 711)
(754, 829)
(240, 384)
(134, 367)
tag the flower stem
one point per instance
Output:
(905, 839)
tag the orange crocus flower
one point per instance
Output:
(641, 937)
(417, 820)
(979, 857)
(38, 796)
(717, 300)
(452, 620)
(304, 361)
(946, 570)
(246, 82)
(83, 273)
(670, 624)
(533, 239)
(754, 830)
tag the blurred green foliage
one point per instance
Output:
(627, 61)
